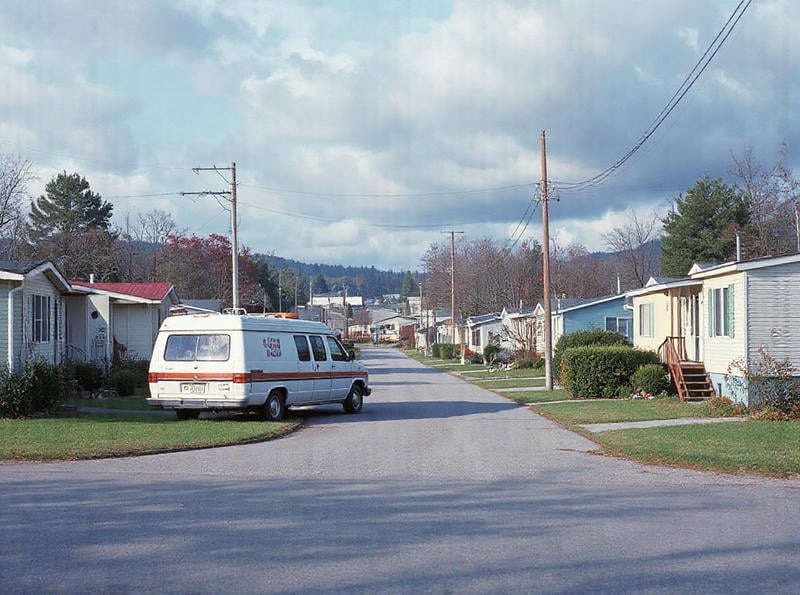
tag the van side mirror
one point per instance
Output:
(351, 355)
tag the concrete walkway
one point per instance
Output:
(658, 423)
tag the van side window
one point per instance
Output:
(318, 347)
(303, 352)
(338, 354)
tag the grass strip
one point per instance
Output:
(114, 435)
(116, 403)
(579, 412)
(537, 396)
(766, 448)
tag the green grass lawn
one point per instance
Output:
(755, 447)
(103, 435)
(136, 403)
(510, 382)
(537, 396)
(596, 411)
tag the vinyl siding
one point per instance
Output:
(719, 352)
(773, 318)
(51, 349)
(661, 321)
(5, 287)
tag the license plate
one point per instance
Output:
(193, 389)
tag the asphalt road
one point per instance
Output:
(437, 486)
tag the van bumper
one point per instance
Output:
(209, 403)
(367, 391)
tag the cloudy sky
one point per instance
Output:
(362, 129)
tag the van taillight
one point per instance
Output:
(241, 378)
(152, 378)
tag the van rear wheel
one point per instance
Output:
(354, 400)
(274, 407)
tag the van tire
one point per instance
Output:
(354, 400)
(186, 414)
(274, 407)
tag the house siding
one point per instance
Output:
(133, 328)
(774, 293)
(51, 349)
(5, 287)
(662, 321)
(720, 352)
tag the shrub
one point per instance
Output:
(444, 350)
(652, 379)
(490, 351)
(124, 380)
(139, 368)
(772, 383)
(88, 375)
(603, 371)
(582, 339)
(37, 388)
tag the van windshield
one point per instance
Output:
(187, 348)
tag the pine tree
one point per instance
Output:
(702, 226)
(68, 208)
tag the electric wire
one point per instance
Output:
(676, 98)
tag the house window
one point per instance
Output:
(720, 312)
(619, 325)
(41, 319)
(646, 322)
(475, 339)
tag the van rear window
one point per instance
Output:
(204, 348)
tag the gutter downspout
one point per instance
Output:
(11, 326)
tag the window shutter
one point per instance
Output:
(710, 310)
(729, 311)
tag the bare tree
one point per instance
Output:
(635, 245)
(15, 175)
(772, 195)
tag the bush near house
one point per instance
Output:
(444, 350)
(38, 388)
(652, 379)
(603, 371)
(582, 339)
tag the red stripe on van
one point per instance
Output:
(244, 377)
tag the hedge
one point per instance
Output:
(603, 371)
(582, 339)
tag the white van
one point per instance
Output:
(215, 362)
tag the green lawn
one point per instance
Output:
(755, 447)
(136, 403)
(90, 436)
(605, 411)
(511, 382)
(537, 396)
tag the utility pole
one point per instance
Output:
(453, 283)
(548, 322)
(280, 297)
(231, 194)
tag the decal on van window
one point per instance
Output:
(272, 346)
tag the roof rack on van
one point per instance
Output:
(185, 310)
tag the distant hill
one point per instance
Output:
(368, 281)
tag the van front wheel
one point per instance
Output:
(354, 400)
(274, 408)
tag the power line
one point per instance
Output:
(673, 102)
